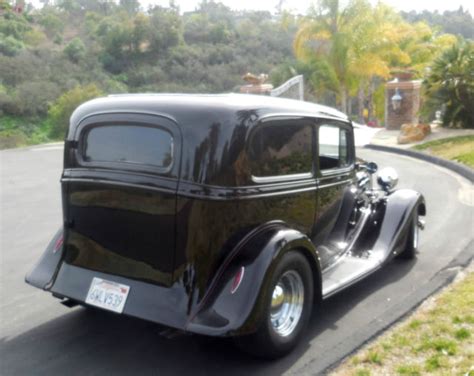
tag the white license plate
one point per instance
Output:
(108, 295)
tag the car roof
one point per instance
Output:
(173, 105)
(214, 128)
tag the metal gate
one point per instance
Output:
(293, 88)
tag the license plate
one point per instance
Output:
(108, 295)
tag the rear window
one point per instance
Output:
(134, 144)
(281, 148)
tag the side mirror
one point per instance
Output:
(370, 167)
(387, 178)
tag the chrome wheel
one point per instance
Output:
(284, 308)
(416, 233)
(287, 303)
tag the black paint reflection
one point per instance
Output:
(121, 231)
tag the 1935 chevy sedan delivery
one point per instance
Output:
(223, 215)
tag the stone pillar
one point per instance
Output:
(409, 106)
(261, 89)
(256, 85)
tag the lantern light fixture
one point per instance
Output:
(396, 100)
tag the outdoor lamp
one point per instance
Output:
(396, 100)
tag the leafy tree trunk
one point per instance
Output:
(344, 97)
(371, 100)
(360, 104)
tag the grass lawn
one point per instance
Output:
(438, 339)
(459, 149)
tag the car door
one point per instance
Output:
(334, 165)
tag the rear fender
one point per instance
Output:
(223, 311)
(42, 274)
(400, 209)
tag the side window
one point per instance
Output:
(281, 147)
(333, 147)
(129, 144)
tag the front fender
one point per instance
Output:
(399, 211)
(42, 274)
(222, 312)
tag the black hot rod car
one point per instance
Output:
(223, 215)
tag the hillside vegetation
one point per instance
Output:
(54, 58)
(80, 49)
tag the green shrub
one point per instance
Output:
(35, 37)
(450, 86)
(12, 138)
(10, 46)
(61, 110)
(33, 98)
(75, 50)
(13, 24)
(8, 106)
(52, 22)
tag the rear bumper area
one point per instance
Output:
(176, 306)
(163, 305)
(173, 306)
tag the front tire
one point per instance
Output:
(411, 248)
(287, 305)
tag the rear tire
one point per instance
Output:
(286, 309)
(411, 248)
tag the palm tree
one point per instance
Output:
(322, 42)
(352, 48)
(450, 84)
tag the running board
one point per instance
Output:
(347, 271)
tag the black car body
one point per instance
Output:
(193, 201)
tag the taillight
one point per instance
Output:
(59, 243)
(237, 280)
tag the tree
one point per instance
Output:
(130, 6)
(165, 29)
(75, 50)
(116, 35)
(341, 43)
(141, 26)
(457, 22)
(450, 85)
(196, 28)
(52, 22)
(352, 49)
(13, 24)
(33, 98)
(62, 109)
(420, 45)
(10, 46)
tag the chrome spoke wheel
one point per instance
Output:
(287, 303)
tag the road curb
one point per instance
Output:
(462, 170)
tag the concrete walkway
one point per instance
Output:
(389, 138)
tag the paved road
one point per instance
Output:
(41, 337)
